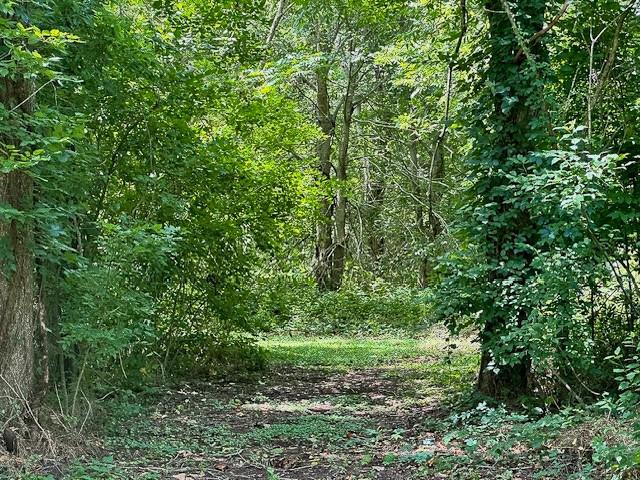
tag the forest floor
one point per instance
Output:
(327, 408)
(337, 408)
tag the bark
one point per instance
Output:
(601, 79)
(424, 265)
(436, 179)
(436, 224)
(17, 299)
(374, 193)
(324, 226)
(374, 188)
(511, 381)
(340, 246)
(279, 15)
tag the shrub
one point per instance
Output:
(381, 309)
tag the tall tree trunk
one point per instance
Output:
(436, 224)
(373, 200)
(424, 266)
(517, 107)
(324, 226)
(374, 187)
(17, 299)
(340, 247)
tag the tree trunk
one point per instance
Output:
(324, 226)
(340, 247)
(424, 265)
(374, 187)
(436, 225)
(17, 299)
(373, 200)
(512, 381)
(518, 132)
(436, 179)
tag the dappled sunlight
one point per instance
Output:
(319, 240)
(365, 412)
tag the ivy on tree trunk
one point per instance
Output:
(513, 129)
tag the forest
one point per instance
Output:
(319, 239)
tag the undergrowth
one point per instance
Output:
(339, 406)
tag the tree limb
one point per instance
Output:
(538, 35)
(280, 13)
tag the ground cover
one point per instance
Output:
(347, 408)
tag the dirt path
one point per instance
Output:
(340, 408)
(292, 423)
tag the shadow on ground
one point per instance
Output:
(363, 418)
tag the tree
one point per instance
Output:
(516, 73)
(510, 123)
(27, 141)
(333, 69)
(17, 315)
(17, 298)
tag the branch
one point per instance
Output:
(605, 71)
(592, 99)
(514, 25)
(449, 90)
(280, 13)
(32, 95)
(538, 35)
(112, 168)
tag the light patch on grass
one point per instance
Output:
(351, 352)
(311, 428)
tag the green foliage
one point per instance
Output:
(97, 469)
(603, 448)
(111, 309)
(289, 304)
(174, 190)
(546, 234)
(626, 363)
(177, 203)
(377, 311)
(570, 197)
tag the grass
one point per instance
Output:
(354, 408)
(437, 370)
(339, 352)
(311, 428)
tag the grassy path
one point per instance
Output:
(348, 409)
(328, 408)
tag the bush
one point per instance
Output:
(298, 306)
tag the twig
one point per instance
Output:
(55, 385)
(592, 99)
(89, 411)
(31, 96)
(19, 395)
(75, 394)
